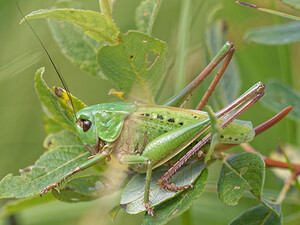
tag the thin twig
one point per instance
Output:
(285, 189)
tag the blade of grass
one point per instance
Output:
(270, 11)
(183, 43)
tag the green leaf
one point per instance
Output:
(258, 215)
(78, 47)
(84, 188)
(279, 95)
(145, 15)
(15, 206)
(50, 103)
(178, 205)
(292, 3)
(64, 153)
(226, 90)
(92, 23)
(239, 173)
(132, 200)
(51, 126)
(272, 205)
(135, 65)
(275, 35)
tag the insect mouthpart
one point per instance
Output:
(84, 124)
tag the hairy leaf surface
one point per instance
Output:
(135, 65)
(64, 153)
(78, 47)
(239, 173)
(272, 205)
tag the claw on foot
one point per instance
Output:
(149, 209)
(171, 187)
(200, 154)
(45, 190)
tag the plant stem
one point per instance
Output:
(290, 167)
(285, 189)
(272, 163)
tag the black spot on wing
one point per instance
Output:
(160, 116)
(171, 120)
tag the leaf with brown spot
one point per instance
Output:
(135, 65)
(239, 173)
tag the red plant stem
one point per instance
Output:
(271, 162)
(274, 163)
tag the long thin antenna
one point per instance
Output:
(49, 57)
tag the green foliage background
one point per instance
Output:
(22, 132)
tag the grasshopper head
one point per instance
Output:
(102, 121)
(85, 127)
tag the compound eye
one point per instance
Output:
(86, 125)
